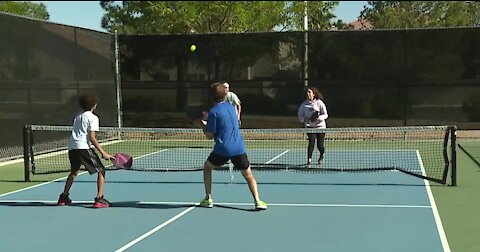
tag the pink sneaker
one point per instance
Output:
(64, 200)
(100, 202)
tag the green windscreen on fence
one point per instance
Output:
(43, 68)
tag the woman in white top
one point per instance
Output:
(312, 113)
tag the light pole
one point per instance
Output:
(305, 42)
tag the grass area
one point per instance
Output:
(12, 178)
(459, 206)
(472, 147)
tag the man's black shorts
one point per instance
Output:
(88, 158)
(240, 162)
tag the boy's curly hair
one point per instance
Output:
(87, 101)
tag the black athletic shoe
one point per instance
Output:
(320, 159)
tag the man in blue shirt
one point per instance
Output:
(222, 125)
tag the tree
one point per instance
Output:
(421, 14)
(27, 9)
(319, 15)
(222, 56)
(167, 17)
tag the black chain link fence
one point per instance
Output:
(367, 78)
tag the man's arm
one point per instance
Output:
(301, 115)
(239, 110)
(238, 104)
(209, 127)
(323, 109)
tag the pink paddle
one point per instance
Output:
(122, 161)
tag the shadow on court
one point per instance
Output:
(260, 183)
(120, 204)
(237, 208)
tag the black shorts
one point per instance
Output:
(88, 158)
(240, 162)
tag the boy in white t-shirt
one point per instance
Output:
(85, 126)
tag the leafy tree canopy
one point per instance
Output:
(420, 14)
(25, 8)
(170, 17)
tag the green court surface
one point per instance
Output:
(472, 149)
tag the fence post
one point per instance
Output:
(26, 153)
(118, 81)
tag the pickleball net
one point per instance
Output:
(423, 151)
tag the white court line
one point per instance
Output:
(14, 161)
(149, 154)
(230, 166)
(34, 186)
(227, 203)
(436, 215)
(279, 155)
(128, 245)
(355, 150)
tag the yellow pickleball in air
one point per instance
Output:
(193, 48)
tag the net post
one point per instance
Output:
(230, 171)
(27, 130)
(453, 146)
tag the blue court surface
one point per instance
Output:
(153, 211)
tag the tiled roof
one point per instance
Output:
(361, 24)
